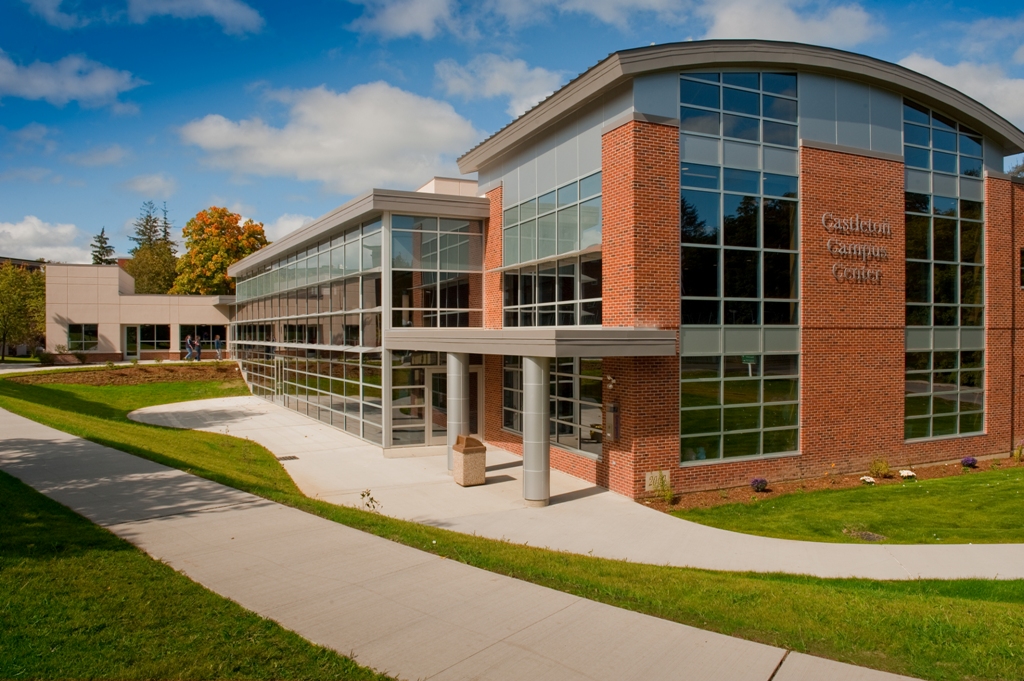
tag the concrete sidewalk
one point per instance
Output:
(582, 518)
(391, 607)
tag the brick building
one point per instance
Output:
(707, 261)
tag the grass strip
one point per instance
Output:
(77, 602)
(964, 629)
(978, 507)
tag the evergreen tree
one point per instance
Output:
(153, 266)
(148, 229)
(165, 227)
(102, 251)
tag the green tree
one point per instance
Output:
(215, 239)
(22, 306)
(153, 266)
(148, 229)
(102, 251)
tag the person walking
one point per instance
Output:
(198, 345)
(217, 347)
(189, 348)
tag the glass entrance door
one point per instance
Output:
(437, 423)
(131, 342)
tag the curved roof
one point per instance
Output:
(620, 67)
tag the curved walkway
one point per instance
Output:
(397, 609)
(582, 518)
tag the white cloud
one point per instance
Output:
(157, 185)
(285, 224)
(32, 174)
(987, 83)
(404, 18)
(1018, 56)
(373, 135)
(32, 239)
(798, 20)
(33, 137)
(491, 75)
(73, 78)
(98, 156)
(234, 16)
(49, 11)
(614, 12)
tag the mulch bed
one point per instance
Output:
(137, 375)
(744, 495)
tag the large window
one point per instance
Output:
(204, 332)
(738, 406)
(944, 276)
(158, 336)
(436, 275)
(82, 337)
(564, 292)
(575, 405)
(561, 221)
(738, 220)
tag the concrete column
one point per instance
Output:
(536, 431)
(458, 399)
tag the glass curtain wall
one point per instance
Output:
(576, 407)
(944, 276)
(553, 291)
(739, 259)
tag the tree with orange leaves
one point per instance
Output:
(214, 239)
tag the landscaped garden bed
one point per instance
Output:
(136, 375)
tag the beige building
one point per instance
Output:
(94, 309)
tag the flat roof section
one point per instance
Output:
(620, 67)
(361, 208)
(563, 341)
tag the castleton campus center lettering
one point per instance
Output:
(842, 231)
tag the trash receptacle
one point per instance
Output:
(469, 462)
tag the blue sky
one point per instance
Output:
(283, 110)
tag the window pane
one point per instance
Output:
(698, 120)
(943, 163)
(780, 440)
(700, 272)
(696, 175)
(510, 246)
(546, 203)
(970, 210)
(700, 367)
(944, 206)
(696, 312)
(780, 185)
(781, 390)
(917, 158)
(415, 222)
(915, 112)
(918, 236)
(741, 392)
(567, 195)
(743, 181)
(780, 415)
(917, 203)
(568, 229)
(741, 102)
(700, 421)
(944, 289)
(741, 444)
(589, 186)
(783, 109)
(944, 140)
(918, 282)
(699, 448)
(527, 241)
(741, 127)
(590, 276)
(970, 145)
(970, 166)
(700, 217)
(590, 223)
(741, 274)
(778, 314)
(780, 224)
(780, 275)
(546, 230)
(741, 217)
(916, 134)
(747, 80)
(741, 418)
(700, 94)
(780, 133)
(742, 312)
(970, 285)
(779, 83)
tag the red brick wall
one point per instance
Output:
(640, 230)
(493, 259)
(1017, 201)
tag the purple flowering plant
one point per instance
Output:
(759, 484)
(969, 462)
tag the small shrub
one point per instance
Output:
(867, 479)
(80, 356)
(880, 469)
(110, 365)
(663, 487)
(135, 362)
(1018, 452)
(45, 358)
(158, 359)
(60, 349)
(759, 484)
(908, 475)
(969, 462)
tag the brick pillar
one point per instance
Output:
(640, 245)
(852, 364)
(1017, 227)
(640, 230)
(493, 259)
(1002, 294)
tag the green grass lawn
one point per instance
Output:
(969, 629)
(979, 507)
(20, 360)
(78, 602)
